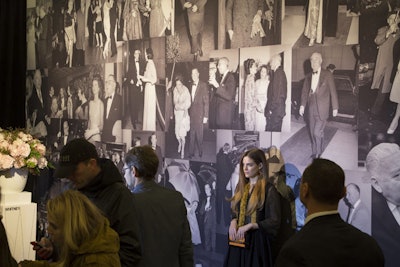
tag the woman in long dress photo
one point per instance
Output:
(96, 113)
(261, 98)
(182, 102)
(250, 68)
(132, 21)
(69, 31)
(150, 96)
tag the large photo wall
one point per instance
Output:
(203, 81)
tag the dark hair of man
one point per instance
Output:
(145, 161)
(149, 139)
(326, 181)
(149, 52)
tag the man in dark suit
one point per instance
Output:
(318, 92)
(165, 238)
(326, 240)
(153, 143)
(358, 214)
(224, 95)
(225, 167)
(195, 12)
(198, 112)
(37, 123)
(112, 110)
(64, 137)
(277, 91)
(135, 88)
(383, 165)
(113, 24)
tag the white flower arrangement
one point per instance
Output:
(19, 149)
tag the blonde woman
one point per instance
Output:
(256, 212)
(80, 231)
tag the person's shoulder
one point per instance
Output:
(202, 83)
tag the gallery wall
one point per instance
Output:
(207, 163)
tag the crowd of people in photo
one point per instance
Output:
(58, 34)
(89, 106)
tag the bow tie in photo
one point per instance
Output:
(315, 72)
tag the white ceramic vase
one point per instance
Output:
(13, 180)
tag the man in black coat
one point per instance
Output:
(165, 232)
(326, 240)
(274, 110)
(100, 180)
(198, 112)
(224, 95)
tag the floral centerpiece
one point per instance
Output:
(19, 150)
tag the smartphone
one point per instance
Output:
(36, 244)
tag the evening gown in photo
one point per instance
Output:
(133, 23)
(249, 103)
(95, 122)
(182, 103)
(157, 21)
(261, 98)
(150, 97)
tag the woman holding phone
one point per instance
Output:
(80, 232)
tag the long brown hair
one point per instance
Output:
(257, 198)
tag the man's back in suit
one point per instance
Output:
(329, 241)
(325, 239)
(165, 233)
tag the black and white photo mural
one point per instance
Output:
(204, 81)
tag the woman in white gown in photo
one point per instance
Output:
(150, 96)
(96, 113)
(261, 96)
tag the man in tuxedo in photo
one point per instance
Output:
(112, 110)
(358, 214)
(64, 137)
(326, 240)
(383, 165)
(224, 95)
(277, 91)
(152, 141)
(36, 112)
(198, 112)
(318, 92)
(135, 88)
